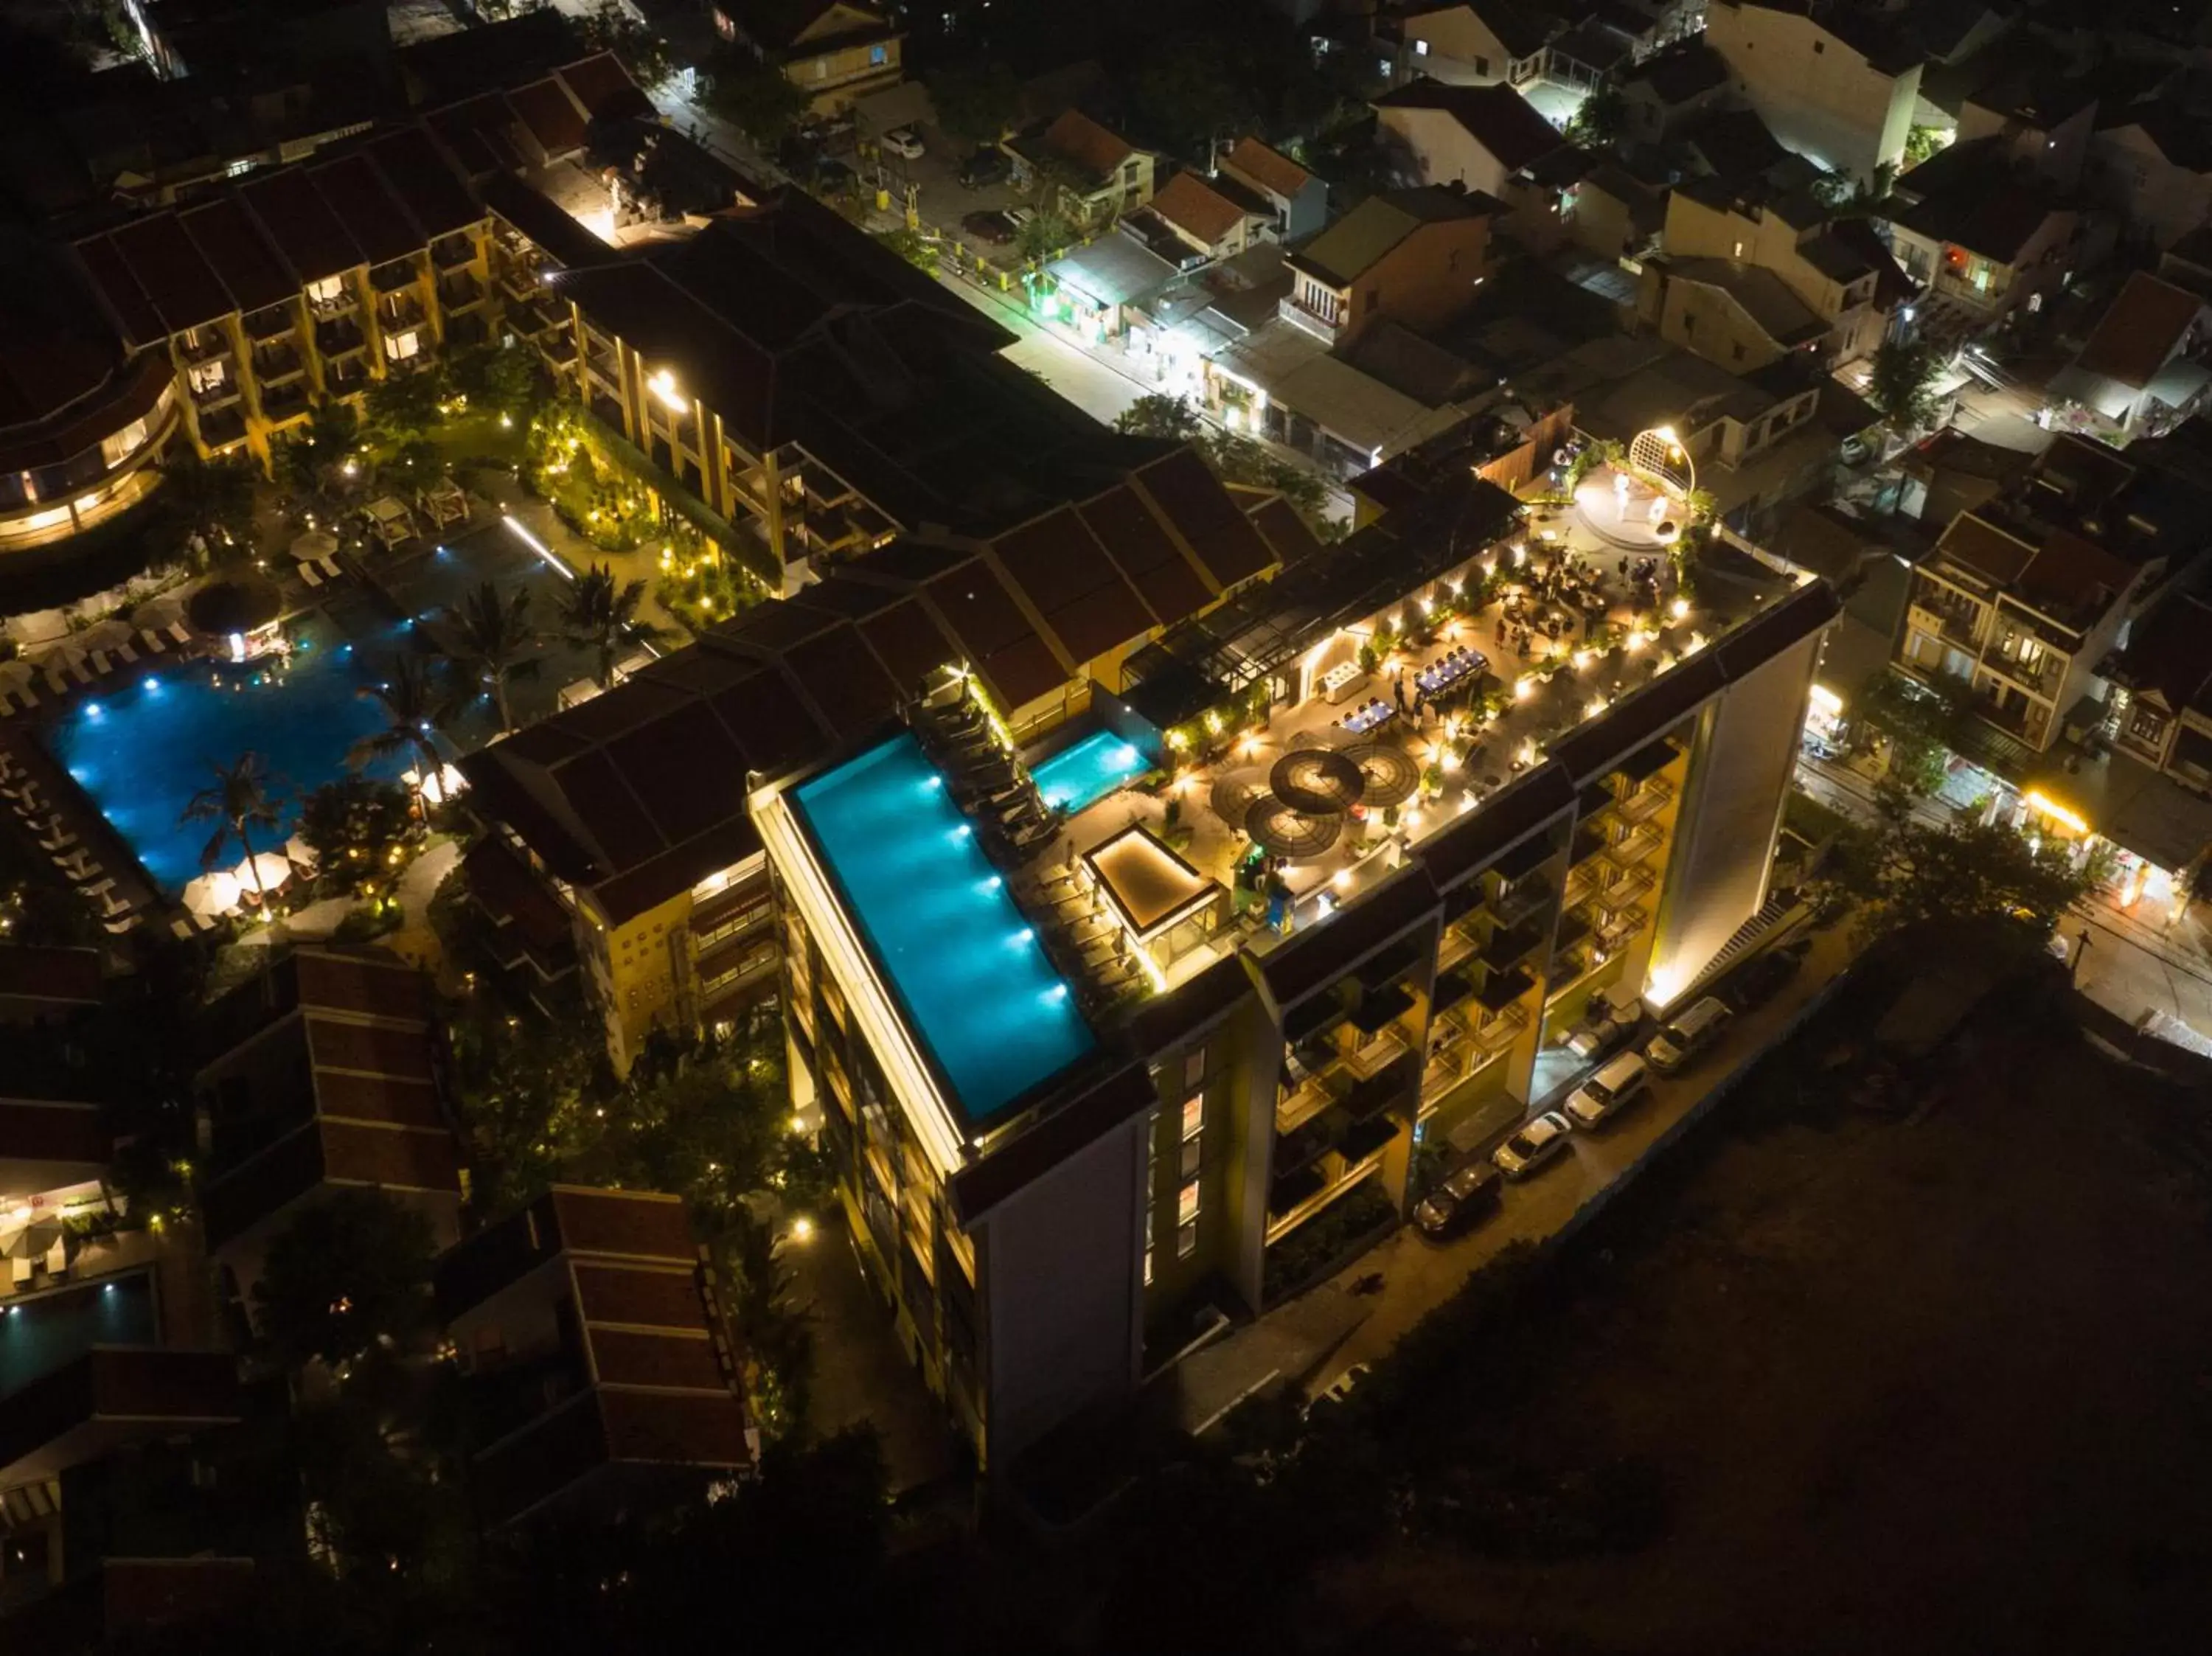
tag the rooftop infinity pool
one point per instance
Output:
(975, 986)
(1086, 773)
(41, 1333)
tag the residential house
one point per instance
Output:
(322, 1073)
(1092, 173)
(1416, 256)
(1299, 199)
(2138, 372)
(1596, 52)
(1836, 268)
(2045, 121)
(600, 1369)
(1742, 316)
(1833, 83)
(1949, 472)
(1983, 236)
(1620, 214)
(2023, 598)
(2158, 703)
(1664, 91)
(834, 50)
(1096, 290)
(1480, 43)
(2152, 162)
(1488, 139)
(1216, 219)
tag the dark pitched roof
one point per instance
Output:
(1680, 73)
(1191, 204)
(1078, 139)
(2147, 323)
(171, 272)
(241, 259)
(1266, 168)
(416, 171)
(378, 223)
(300, 224)
(2170, 652)
(1498, 118)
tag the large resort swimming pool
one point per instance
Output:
(973, 981)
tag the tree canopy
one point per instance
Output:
(350, 1272)
(756, 98)
(1902, 383)
(975, 102)
(1900, 871)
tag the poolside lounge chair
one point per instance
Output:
(112, 907)
(60, 840)
(55, 683)
(181, 929)
(177, 631)
(20, 1269)
(124, 653)
(151, 642)
(307, 574)
(328, 566)
(74, 666)
(28, 697)
(102, 663)
(78, 865)
(58, 1258)
(99, 888)
(7, 708)
(203, 922)
(118, 928)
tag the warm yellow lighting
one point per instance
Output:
(1680, 608)
(1177, 740)
(664, 387)
(1341, 879)
(1580, 659)
(1597, 706)
(798, 1124)
(2058, 813)
(1828, 701)
(1523, 687)
(802, 1228)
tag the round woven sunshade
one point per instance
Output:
(1291, 834)
(1236, 793)
(1317, 781)
(1388, 774)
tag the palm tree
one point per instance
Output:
(414, 705)
(238, 802)
(489, 639)
(601, 616)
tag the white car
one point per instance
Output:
(1533, 1145)
(1614, 1087)
(1606, 1027)
(904, 141)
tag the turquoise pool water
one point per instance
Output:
(142, 746)
(39, 1335)
(1089, 771)
(976, 986)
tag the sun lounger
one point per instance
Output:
(112, 907)
(61, 840)
(116, 928)
(7, 707)
(102, 663)
(124, 653)
(74, 667)
(307, 574)
(28, 697)
(177, 631)
(55, 683)
(151, 642)
(181, 929)
(78, 865)
(203, 922)
(99, 888)
(328, 566)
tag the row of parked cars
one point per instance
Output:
(1620, 1082)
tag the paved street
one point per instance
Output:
(1319, 1335)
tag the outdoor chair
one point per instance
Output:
(124, 653)
(112, 907)
(307, 574)
(58, 840)
(151, 642)
(20, 1269)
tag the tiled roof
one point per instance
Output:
(1190, 204)
(1499, 119)
(241, 259)
(602, 88)
(300, 223)
(2145, 325)
(1266, 168)
(171, 272)
(550, 116)
(2170, 652)
(1078, 139)
(354, 191)
(416, 171)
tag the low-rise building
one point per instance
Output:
(1984, 235)
(2023, 598)
(1216, 219)
(2138, 372)
(1414, 256)
(602, 1373)
(1662, 93)
(1092, 173)
(1490, 139)
(1476, 43)
(834, 50)
(1299, 199)
(2158, 700)
(2152, 162)
(321, 1073)
(1835, 84)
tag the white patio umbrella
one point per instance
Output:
(212, 893)
(315, 543)
(271, 867)
(301, 854)
(103, 635)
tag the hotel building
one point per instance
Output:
(1083, 1089)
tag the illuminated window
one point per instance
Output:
(1193, 1115)
(1186, 1242)
(398, 348)
(125, 442)
(329, 288)
(1187, 1204)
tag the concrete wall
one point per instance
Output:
(1816, 95)
(1739, 774)
(1060, 1265)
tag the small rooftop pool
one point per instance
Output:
(975, 986)
(41, 1332)
(1083, 774)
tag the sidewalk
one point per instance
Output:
(1318, 1336)
(2131, 965)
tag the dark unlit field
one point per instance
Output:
(1942, 1387)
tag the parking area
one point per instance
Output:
(1314, 1339)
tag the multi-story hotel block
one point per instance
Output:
(1084, 1089)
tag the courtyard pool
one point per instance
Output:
(40, 1333)
(142, 748)
(1086, 773)
(975, 986)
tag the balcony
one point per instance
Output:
(213, 394)
(220, 428)
(2041, 677)
(203, 344)
(1625, 891)
(520, 282)
(272, 322)
(275, 366)
(1325, 329)
(339, 337)
(1647, 802)
(1520, 900)
(347, 376)
(1296, 1105)
(1510, 945)
(282, 402)
(1589, 840)
(398, 310)
(328, 307)
(1639, 842)
(460, 291)
(391, 276)
(1955, 624)
(449, 251)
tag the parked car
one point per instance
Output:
(1605, 1028)
(995, 229)
(1614, 1087)
(833, 177)
(1473, 1192)
(904, 141)
(1683, 1037)
(1760, 981)
(1533, 1145)
(985, 167)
